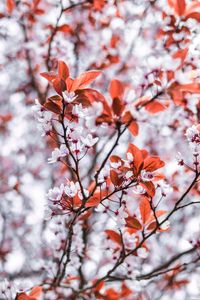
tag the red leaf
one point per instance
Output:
(155, 107)
(115, 178)
(23, 296)
(152, 226)
(117, 106)
(180, 7)
(36, 292)
(181, 54)
(63, 70)
(125, 291)
(36, 3)
(59, 86)
(133, 126)
(65, 28)
(190, 87)
(116, 89)
(115, 158)
(153, 163)
(69, 83)
(10, 5)
(149, 187)
(145, 210)
(134, 129)
(114, 236)
(55, 98)
(50, 105)
(93, 201)
(137, 156)
(84, 79)
(49, 75)
(99, 4)
(194, 15)
(33, 295)
(133, 223)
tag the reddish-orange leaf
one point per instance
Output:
(133, 223)
(63, 70)
(33, 295)
(52, 106)
(69, 83)
(158, 176)
(142, 101)
(99, 286)
(10, 5)
(36, 292)
(134, 128)
(180, 7)
(59, 86)
(115, 178)
(125, 291)
(55, 98)
(65, 28)
(155, 107)
(190, 87)
(194, 15)
(117, 106)
(114, 236)
(115, 158)
(153, 163)
(116, 89)
(149, 187)
(180, 54)
(111, 294)
(93, 201)
(152, 226)
(36, 3)
(127, 117)
(23, 296)
(84, 79)
(145, 210)
(137, 156)
(49, 75)
(98, 4)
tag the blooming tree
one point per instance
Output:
(100, 149)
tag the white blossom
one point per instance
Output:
(146, 176)
(129, 156)
(56, 193)
(71, 189)
(129, 174)
(138, 190)
(115, 165)
(69, 96)
(166, 224)
(89, 141)
(142, 252)
(129, 240)
(79, 111)
(57, 153)
(193, 134)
